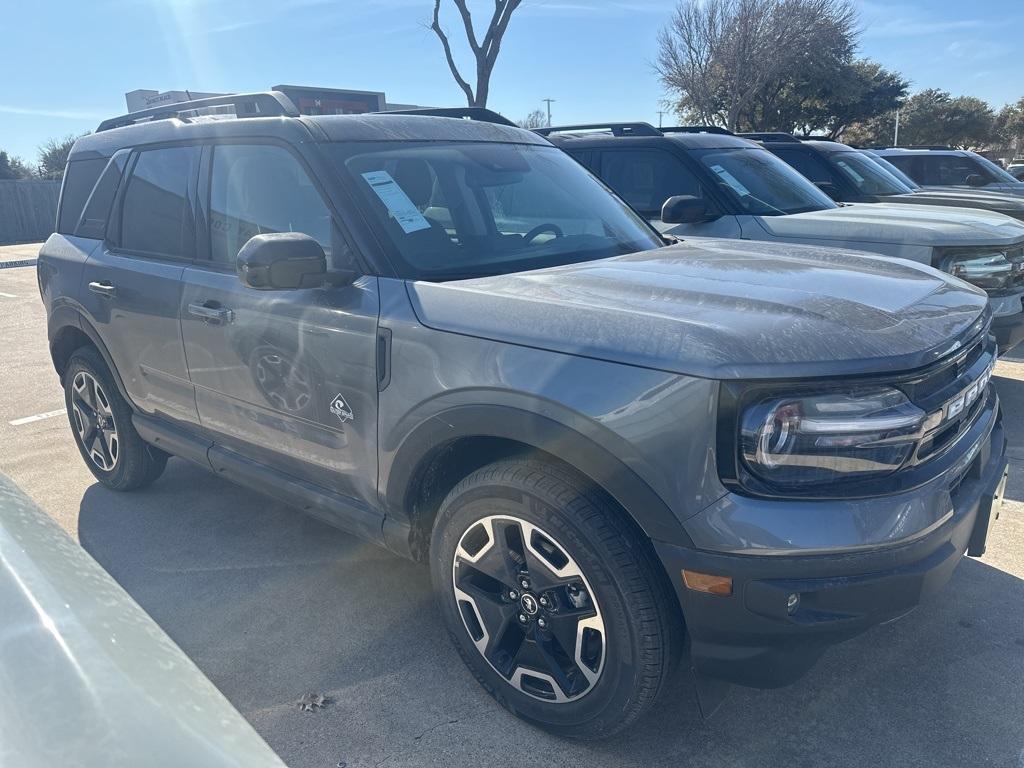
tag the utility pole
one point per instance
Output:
(548, 102)
(660, 113)
(896, 135)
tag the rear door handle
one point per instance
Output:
(216, 315)
(103, 289)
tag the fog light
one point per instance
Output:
(708, 582)
(792, 603)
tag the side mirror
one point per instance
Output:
(975, 180)
(686, 209)
(282, 261)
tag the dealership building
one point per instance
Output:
(308, 100)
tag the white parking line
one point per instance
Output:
(36, 417)
(8, 295)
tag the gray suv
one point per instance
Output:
(447, 337)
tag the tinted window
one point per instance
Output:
(79, 179)
(808, 164)
(906, 164)
(97, 209)
(452, 210)
(646, 178)
(156, 218)
(258, 190)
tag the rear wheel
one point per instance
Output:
(101, 422)
(552, 598)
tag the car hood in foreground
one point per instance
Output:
(899, 224)
(721, 309)
(963, 198)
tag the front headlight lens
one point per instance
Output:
(796, 442)
(992, 271)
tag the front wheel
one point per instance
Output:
(552, 599)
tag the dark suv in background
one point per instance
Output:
(447, 337)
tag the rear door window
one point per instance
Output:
(156, 217)
(945, 170)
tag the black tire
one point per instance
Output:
(134, 464)
(642, 627)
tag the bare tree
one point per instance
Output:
(484, 51)
(720, 56)
(536, 119)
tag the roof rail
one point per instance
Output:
(770, 136)
(617, 129)
(697, 129)
(481, 114)
(265, 104)
(937, 147)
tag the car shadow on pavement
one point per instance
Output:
(272, 604)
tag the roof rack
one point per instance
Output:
(617, 129)
(937, 147)
(265, 104)
(481, 114)
(770, 136)
(697, 129)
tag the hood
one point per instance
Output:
(899, 224)
(1000, 188)
(721, 309)
(1008, 205)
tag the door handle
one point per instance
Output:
(103, 289)
(215, 315)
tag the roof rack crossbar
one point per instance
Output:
(770, 136)
(698, 129)
(617, 129)
(264, 104)
(480, 114)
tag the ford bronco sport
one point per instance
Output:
(447, 337)
(938, 167)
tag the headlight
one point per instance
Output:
(993, 271)
(813, 439)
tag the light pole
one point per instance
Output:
(896, 134)
(548, 102)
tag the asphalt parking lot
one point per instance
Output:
(272, 604)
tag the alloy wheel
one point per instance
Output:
(94, 421)
(529, 609)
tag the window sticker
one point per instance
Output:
(731, 180)
(398, 203)
(853, 174)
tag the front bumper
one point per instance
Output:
(752, 639)
(1008, 330)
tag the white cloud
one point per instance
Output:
(63, 114)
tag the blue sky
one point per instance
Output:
(68, 63)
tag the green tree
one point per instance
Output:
(1009, 125)
(53, 157)
(934, 117)
(829, 97)
(13, 167)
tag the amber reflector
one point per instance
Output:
(708, 582)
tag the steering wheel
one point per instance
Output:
(540, 229)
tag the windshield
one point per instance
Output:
(881, 162)
(868, 177)
(760, 183)
(456, 210)
(998, 173)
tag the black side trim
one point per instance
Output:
(175, 441)
(339, 511)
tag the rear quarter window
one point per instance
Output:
(97, 209)
(79, 179)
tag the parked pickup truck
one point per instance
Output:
(447, 337)
(727, 186)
